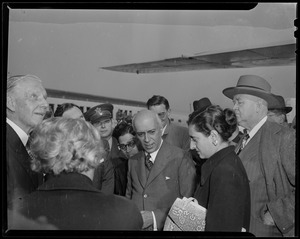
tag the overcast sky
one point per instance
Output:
(67, 48)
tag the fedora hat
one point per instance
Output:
(202, 104)
(251, 85)
(280, 105)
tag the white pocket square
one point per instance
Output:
(167, 178)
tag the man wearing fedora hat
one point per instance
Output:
(202, 104)
(268, 157)
(278, 111)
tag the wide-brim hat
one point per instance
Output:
(99, 112)
(251, 85)
(279, 105)
(202, 104)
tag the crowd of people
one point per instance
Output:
(74, 170)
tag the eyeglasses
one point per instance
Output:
(130, 145)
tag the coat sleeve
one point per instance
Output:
(282, 207)
(104, 177)
(186, 185)
(187, 175)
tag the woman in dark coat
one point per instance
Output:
(224, 187)
(71, 149)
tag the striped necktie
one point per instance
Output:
(148, 162)
(242, 142)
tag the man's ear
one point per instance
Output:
(113, 123)
(10, 103)
(169, 112)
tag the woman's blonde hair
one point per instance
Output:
(63, 144)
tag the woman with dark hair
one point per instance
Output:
(232, 120)
(224, 188)
(71, 149)
(68, 110)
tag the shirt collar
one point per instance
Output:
(164, 128)
(21, 133)
(257, 127)
(153, 154)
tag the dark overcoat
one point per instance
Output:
(69, 201)
(224, 191)
(21, 180)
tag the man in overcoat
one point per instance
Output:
(268, 157)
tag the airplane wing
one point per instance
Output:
(256, 57)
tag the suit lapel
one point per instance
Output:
(162, 159)
(23, 157)
(267, 156)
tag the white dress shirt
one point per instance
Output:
(256, 128)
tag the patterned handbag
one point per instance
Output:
(185, 215)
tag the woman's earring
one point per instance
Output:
(215, 142)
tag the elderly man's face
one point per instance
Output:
(245, 107)
(148, 132)
(30, 104)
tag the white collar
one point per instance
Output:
(163, 130)
(21, 133)
(110, 142)
(153, 154)
(257, 127)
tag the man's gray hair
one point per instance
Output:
(158, 120)
(12, 81)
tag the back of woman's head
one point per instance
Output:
(214, 118)
(63, 144)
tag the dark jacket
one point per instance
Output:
(69, 201)
(120, 164)
(21, 180)
(224, 191)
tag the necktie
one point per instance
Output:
(242, 142)
(28, 149)
(148, 162)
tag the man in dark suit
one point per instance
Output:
(268, 157)
(172, 133)
(169, 173)
(25, 108)
(115, 167)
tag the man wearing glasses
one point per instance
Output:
(172, 133)
(107, 177)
